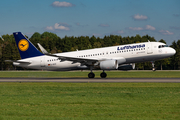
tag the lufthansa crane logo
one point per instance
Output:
(23, 45)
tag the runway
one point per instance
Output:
(95, 80)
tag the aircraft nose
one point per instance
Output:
(173, 51)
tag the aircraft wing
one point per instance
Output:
(85, 61)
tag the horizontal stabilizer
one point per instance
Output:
(18, 61)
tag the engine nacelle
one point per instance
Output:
(127, 66)
(109, 65)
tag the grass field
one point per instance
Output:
(90, 101)
(83, 74)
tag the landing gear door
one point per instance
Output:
(42, 61)
(149, 48)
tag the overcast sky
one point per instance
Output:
(157, 18)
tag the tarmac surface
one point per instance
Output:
(95, 80)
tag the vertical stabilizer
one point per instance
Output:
(25, 47)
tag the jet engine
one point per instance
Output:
(109, 65)
(127, 66)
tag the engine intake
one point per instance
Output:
(109, 65)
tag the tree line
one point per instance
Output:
(54, 44)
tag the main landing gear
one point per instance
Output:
(92, 75)
(103, 74)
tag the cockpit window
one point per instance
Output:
(161, 46)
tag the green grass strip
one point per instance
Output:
(84, 74)
(90, 101)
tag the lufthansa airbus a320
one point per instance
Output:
(107, 58)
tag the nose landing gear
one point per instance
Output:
(153, 68)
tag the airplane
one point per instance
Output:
(106, 58)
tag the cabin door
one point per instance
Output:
(149, 48)
(42, 61)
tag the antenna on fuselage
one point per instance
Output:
(148, 41)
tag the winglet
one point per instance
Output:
(25, 47)
(42, 49)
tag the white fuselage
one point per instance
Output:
(132, 53)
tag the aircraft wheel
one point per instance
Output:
(91, 75)
(153, 69)
(103, 75)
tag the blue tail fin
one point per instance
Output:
(25, 47)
